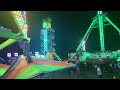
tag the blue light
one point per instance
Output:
(45, 40)
(36, 53)
(8, 54)
(15, 54)
(42, 56)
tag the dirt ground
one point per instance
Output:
(83, 75)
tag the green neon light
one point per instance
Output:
(19, 12)
(35, 69)
(89, 30)
(2, 71)
(100, 20)
(100, 17)
(20, 21)
(44, 25)
(7, 43)
(57, 56)
(45, 40)
(47, 23)
(112, 24)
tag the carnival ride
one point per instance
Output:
(47, 40)
(25, 66)
(99, 21)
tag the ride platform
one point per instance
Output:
(21, 69)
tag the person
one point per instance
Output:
(69, 55)
(118, 66)
(72, 69)
(24, 45)
(115, 66)
(77, 69)
(31, 54)
(95, 66)
(111, 66)
(114, 77)
(99, 73)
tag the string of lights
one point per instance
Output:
(20, 18)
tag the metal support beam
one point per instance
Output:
(12, 67)
(112, 24)
(100, 20)
(7, 34)
(103, 25)
(57, 56)
(7, 43)
(87, 33)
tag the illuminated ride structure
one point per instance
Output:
(25, 66)
(99, 21)
(47, 40)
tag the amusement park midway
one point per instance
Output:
(59, 45)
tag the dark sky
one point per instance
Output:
(70, 27)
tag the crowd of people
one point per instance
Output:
(99, 67)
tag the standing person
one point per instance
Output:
(95, 67)
(111, 66)
(72, 70)
(31, 54)
(69, 55)
(115, 66)
(25, 46)
(85, 65)
(99, 73)
(118, 66)
(91, 63)
(114, 77)
(111, 69)
(77, 69)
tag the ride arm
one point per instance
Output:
(13, 38)
(85, 37)
(57, 56)
(112, 24)
(7, 34)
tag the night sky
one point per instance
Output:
(70, 27)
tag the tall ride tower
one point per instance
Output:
(47, 39)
